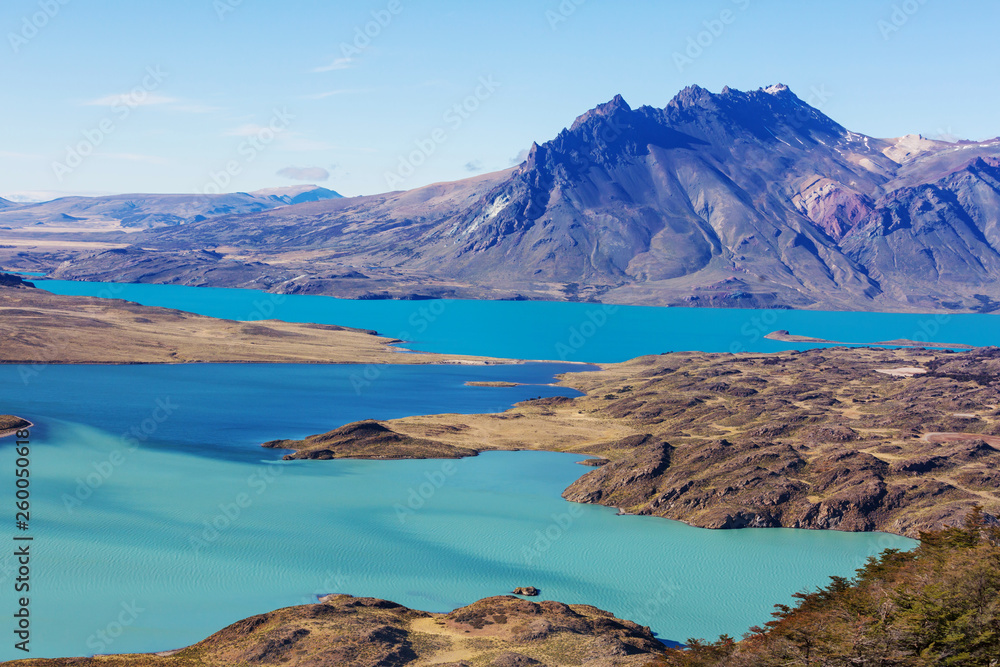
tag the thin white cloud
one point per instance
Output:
(519, 158)
(20, 156)
(341, 91)
(297, 142)
(247, 130)
(305, 173)
(195, 108)
(148, 99)
(144, 99)
(338, 64)
(35, 196)
(133, 157)
(286, 140)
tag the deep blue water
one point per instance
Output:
(555, 330)
(226, 410)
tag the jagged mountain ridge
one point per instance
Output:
(728, 199)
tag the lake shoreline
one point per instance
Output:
(772, 471)
(558, 330)
(515, 470)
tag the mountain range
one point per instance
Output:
(148, 211)
(729, 199)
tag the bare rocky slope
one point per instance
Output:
(731, 199)
(342, 631)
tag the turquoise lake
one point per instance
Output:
(150, 491)
(554, 330)
(153, 502)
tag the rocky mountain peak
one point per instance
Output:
(694, 96)
(616, 107)
(777, 89)
(752, 199)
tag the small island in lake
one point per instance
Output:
(785, 337)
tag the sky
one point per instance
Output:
(362, 97)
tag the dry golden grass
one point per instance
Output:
(40, 327)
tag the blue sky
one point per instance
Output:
(194, 95)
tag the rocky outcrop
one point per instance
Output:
(625, 483)
(368, 440)
(10, 280)
(835, 446)
(9, 424)
(343, 631)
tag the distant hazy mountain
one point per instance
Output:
(146, 211)
(728, 199)
(297, 194)
(5, 203)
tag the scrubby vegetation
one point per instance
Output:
(936, 605)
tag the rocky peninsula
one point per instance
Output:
(9, 425)
(822, 439)
(38, 327)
